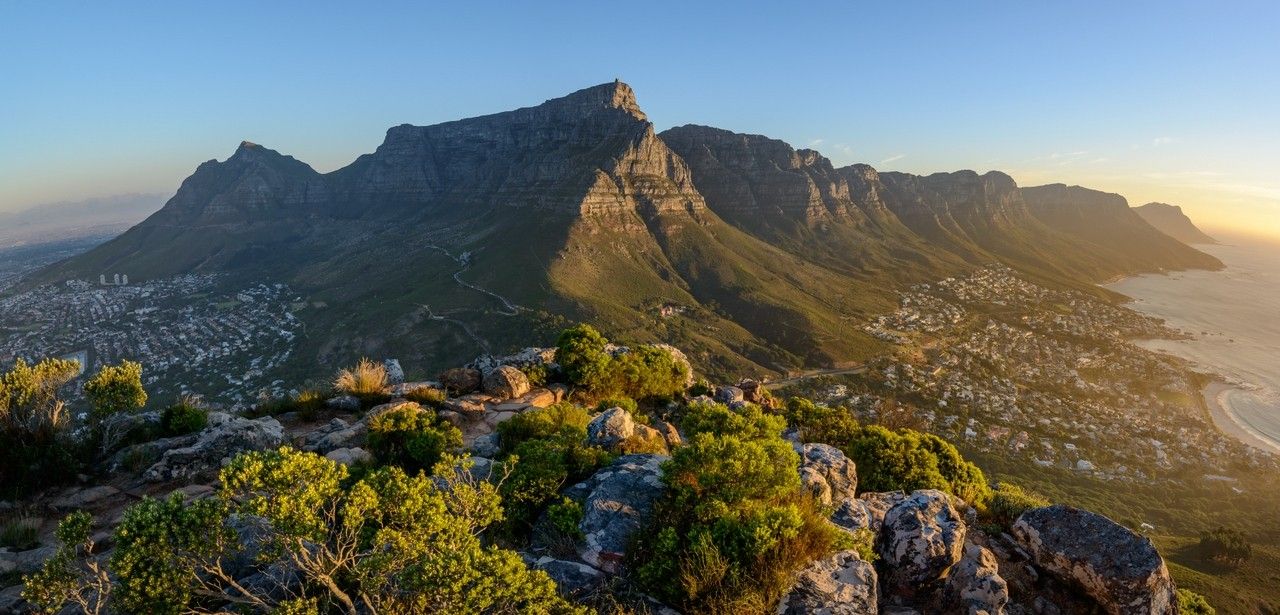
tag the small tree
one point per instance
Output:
(33, 424)
(116, 389)
(72, 575)
(581, 354)
(1226, 545)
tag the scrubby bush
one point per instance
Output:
(306, 403)
(909, 460)
(35, 448)
(426, 396)
(1009, 501)
(747, 422)
(70, 575)
(820, 423)
(1191, 603)
(734, 524)
(1225, 545)
(115, 389)
(387, 543)
(539, 467)
(556, 419)
(20, 532)
(411, 437)
(582, 357)
(643, 372)
(366, 379)
(184, 417)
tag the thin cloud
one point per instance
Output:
(1158, 141)
(814, 144)
(893, 158)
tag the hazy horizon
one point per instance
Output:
(1157, 102)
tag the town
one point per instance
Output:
(188, 332)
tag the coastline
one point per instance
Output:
(1224, 418)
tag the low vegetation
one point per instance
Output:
(411, 437)
(365, 379)
(36, 447)
(643, 372)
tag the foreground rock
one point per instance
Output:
(617, 501)
(1109, 562)
(974, 585)
(573, 579)
(225, 437)
(828, 472)
(842, 584)
(922, 537)
(506, 382)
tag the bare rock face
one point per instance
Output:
(506, 382)
(610, 428)
(1118, 568)
(461, 380)
(842, 584)
(922, 537)
(830, 466)
(974, 585)
(619, 498)
(220, 441)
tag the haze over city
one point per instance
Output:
(1147, 99)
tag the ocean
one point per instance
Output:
(1234, 315)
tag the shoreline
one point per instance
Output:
(1225, 419)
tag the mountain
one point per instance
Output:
(752, 255)
(1106, 225)
(76, 220)
(1170, 220)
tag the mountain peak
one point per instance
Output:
(615, 95)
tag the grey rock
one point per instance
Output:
(836, 470)
(461, 380)
(852, 514)
(76, 498)
(485, 445)
(610, 428)
(216, 444)
(573, 579)
(619, 499)
(877, 505)
(395, 373)
(974, 585)
(729, 395)
(25, 562)
(842, 584)
(506, 382)
(1115, 566)
(334, 435)
(349, 456)
(343, 403)
(922, 537)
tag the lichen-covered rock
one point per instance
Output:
(526, 358)
(469, 406)
(461, 380)
(334, 435)
(619, 498)
(835, 469)
(610, 428)
(729, 395)
(852, 514)
(573, 579)
(538, 398)
(343, 403)
(922, 537)
(842, 584)
(1118, 568)
(506, 382)
(669, 433)
(877, 505)
(974, 585)
(224, 438)
(395, 373)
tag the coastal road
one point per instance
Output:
(817, 373)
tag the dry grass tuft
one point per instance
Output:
(365, 379)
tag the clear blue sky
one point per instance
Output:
(1157, 100)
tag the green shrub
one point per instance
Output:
(1225, 545)
(820, 423)
(908, 460)
(36, 449)
(539, 468)
(115, 389)
(582, 357)
(701, 387)
(734, 524)
(537, 374)
(646, 372)
(565, 517)
(747, 422)
(426, 396)
(556, 419)
(186, 416)
(1009, 501)
(1191, 603)
(411, 437)
(69, 575)
(156, 544)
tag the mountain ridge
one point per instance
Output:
(1172, 221)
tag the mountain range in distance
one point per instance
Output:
(752, 255)
(1170, 220)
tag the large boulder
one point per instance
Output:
(610, 428)
(922, 537)
(842, 584)
(334, 435)
(224, 438)
(619, 498)
(974, 585)
(395, 373)
(1115, 566)
(460, 380)
(827, 470)
(506, 382)
(573, 579)
(877, 505)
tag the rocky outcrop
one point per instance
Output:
(335, 434)
(505, 382)
(461, 380)
(842, 584)
(573, 579)
(219, 442)
(1118, 568)
(974, 585)
(922, 537)
(831, 475)
(617, 501)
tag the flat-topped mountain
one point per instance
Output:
(751, 254)
(1170, 220)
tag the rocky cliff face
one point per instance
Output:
(1170, 220)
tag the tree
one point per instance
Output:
(1226, 545)
(581, 353)
(71, 575)
(115, 389)
(34, 446)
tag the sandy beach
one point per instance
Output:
(1225, 419)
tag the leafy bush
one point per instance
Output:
(820, 423)
(411, 437)
(1009, 501)
(35, 448)
(909, 460)
(1191, 603)
(561, 418)
(734, 524)
(389, 543)
(582, 357)
(641, 373)
(539, 467)
(186, 416)
(69, 575)
(115, 389)
(364, 380)
(565, 517)
(748, 422)
(1225, 545)
(427, 396)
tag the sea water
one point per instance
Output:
(1234, 316)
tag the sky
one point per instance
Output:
(1159, 101)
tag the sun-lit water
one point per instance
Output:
(1235, 317)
